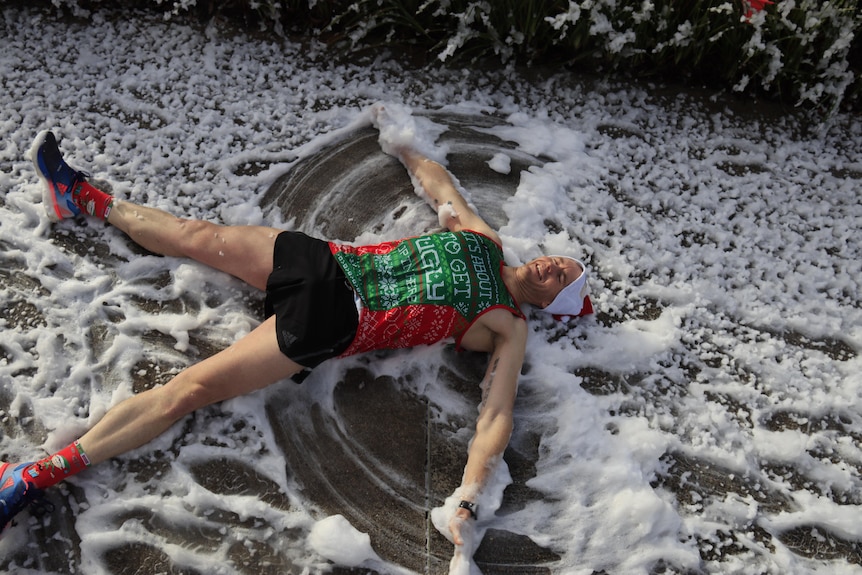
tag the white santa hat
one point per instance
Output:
(574, 299)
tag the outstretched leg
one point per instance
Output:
(244, 252)
(251, 363)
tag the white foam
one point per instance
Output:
(735, 230)
(337, 540)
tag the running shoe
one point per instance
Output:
(58, 178)
(16, 492)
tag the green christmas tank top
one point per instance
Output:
(424, 289)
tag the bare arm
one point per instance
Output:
(494, 426)
(439, 187)
(499, 332)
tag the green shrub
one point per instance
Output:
(803, 51)
(795, 49)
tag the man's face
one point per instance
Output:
(544, 277)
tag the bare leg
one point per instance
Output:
(242, 251)
(251, 363)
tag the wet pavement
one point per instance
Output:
(379, 455)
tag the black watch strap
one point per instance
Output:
(471, 507)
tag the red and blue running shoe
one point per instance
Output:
(58, 178)
(16, 492)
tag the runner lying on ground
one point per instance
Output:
(323, 300)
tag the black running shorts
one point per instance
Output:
(313, 303)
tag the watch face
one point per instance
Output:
(472, 507)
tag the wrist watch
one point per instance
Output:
(471, 507)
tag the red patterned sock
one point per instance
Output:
(55, 468)
(93, 200)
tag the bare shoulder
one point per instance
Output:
(473, 223)
(493, 326)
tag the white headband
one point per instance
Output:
(570, 301)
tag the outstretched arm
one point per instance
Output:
(401, 137)
(508, 336)
(436, 185)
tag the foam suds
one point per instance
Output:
(725, 265)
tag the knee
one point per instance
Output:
(196, 235)
(183, 395)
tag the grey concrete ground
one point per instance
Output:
(379, 458)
